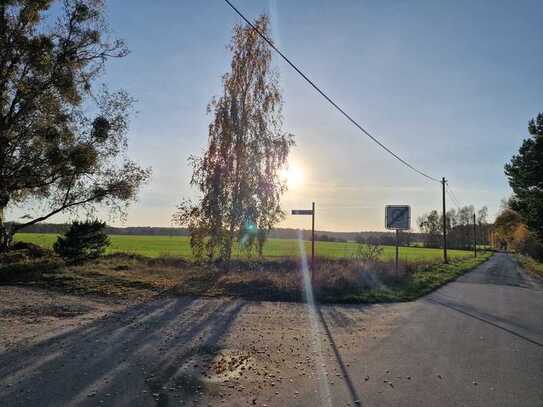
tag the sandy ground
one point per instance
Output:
(28, 315)
(177, 350)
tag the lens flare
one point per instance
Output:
(249, 232)
(324, 387)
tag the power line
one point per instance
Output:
(453, 196)
(455, 202)
(270, 43)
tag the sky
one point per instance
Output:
(449, 86)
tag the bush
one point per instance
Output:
(21, 252)
(83, 240)
(368, 252)
(533, 247)
(32, 250)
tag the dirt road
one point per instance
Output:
(475, 342)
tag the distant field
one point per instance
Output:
(155, 246)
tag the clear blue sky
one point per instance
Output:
(450, 86)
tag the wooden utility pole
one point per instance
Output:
(445, 260)
(397, 244)
(474, 235)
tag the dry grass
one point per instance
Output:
(345, 276)
(340, 280)
(531, 265)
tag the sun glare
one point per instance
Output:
(294, 176)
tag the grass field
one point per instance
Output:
(156, 246)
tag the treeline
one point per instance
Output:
(111, 230)
(328, 238)
(382, 238)
(460, 231)
(389, 238)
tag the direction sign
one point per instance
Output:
(302, 212)
(312, 213)
(398, 217)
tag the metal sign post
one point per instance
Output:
(398, 217)
(474, 236)
(312, 213)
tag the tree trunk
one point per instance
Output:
(6, 236)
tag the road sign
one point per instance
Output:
(312, 213)
(302, 212)
(398, 217)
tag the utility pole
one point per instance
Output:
(397, 244)
(445, 260)
(474, 236)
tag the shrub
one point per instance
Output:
(368, 252)
(31, 250)
(83, 240)
(533, 247)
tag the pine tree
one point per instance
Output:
(525, 175)
(52, 150)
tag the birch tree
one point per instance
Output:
(239, 175)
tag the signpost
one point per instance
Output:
(312, 213)
(398, 217)
(474, 236)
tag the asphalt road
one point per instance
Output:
(475, 342)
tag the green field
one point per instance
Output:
(155, 246)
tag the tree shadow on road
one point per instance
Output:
(122, 359)
(474, 312)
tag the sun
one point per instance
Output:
(293, 175)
